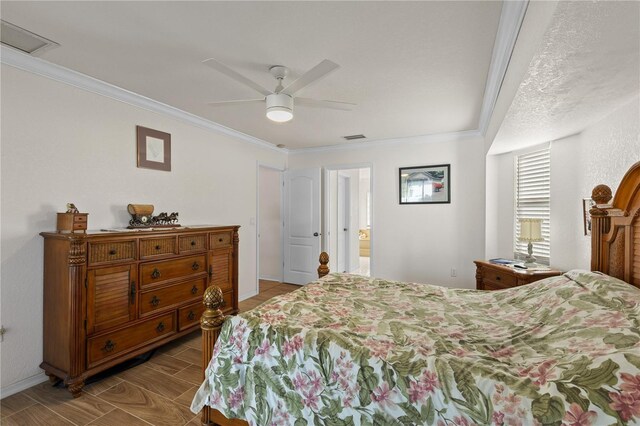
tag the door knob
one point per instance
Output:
(315, 234)
(344, 229)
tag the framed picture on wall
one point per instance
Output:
(587, 203)
(425, 184)
(154, 149)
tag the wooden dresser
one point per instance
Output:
(111, 296)
(490, 276)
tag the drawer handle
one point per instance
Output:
(154, 301)
(108, 346)
(219, 240)
(194, 289)
(191, 316)
(195, 266)
(193, 243)
(497, 278)
(155, 273)
(160, 327)
(132, 292)
(158, 247)
(112, 252)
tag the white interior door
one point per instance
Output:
(343, 223)
(301, 225)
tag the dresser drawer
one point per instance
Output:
(500, 279)
(102, 348)
(151, 247)
(493, 285)
(116, 251)
(172, 296)
(156, 272)
(191, 243)
(190, 315)
(220, 239)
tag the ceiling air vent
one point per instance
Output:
(21, 39)
(354, 137)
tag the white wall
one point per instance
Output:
(420, 242)
(270, 223)
(62, 144)
(601, 154)
(365, 185)
(500, 206)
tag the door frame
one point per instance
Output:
(326, 207)
(280, 169)
(346, 214)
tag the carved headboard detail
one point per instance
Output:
(615, 229)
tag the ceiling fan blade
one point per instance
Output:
(236, 102)
(314, 74)
(222, 68)
(317, 103)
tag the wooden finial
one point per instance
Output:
(323, 269)
(601, 194)
(213, 301)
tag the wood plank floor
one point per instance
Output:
(157, 392)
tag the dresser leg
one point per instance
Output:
(53, 379)
(76, 388)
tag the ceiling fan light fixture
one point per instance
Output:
(279, 107)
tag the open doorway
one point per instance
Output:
(347, 219)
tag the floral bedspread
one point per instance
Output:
(352, 350)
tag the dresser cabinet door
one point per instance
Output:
(220, 269)
(221, 273)
(111, 297)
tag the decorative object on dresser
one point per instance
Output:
(142, 217)
(154, 149)
(425, 184)
(111, 296)
(491, 276)
(530, 232)
(72, 220)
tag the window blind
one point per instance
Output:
(533, 200)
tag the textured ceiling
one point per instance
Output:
(586, 66)
(413, 68)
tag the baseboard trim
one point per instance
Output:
(22, 385)
(246, 296)
(268, 278)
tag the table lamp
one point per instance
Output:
(531, 232)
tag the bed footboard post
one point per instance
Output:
(210, 323)
(323, 269)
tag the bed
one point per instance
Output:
(349, 350)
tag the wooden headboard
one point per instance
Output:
(615, 229)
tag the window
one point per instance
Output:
(532, 200)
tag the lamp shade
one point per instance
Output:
(531, 230)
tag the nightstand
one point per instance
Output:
(490, 276)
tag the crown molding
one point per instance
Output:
(25, 62)
(511, 18)
(409, 140)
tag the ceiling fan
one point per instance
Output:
(280, 101)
